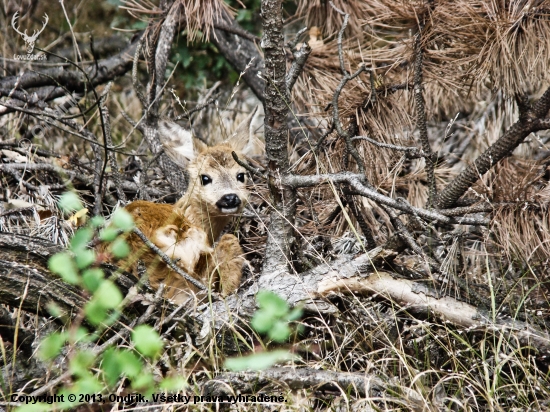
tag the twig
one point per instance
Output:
(169, 261)
(421, 117)
(534, 121)
(347, 77)
(296, 378)
(253, 170)
(357, 182)
(300, 58)
(106, 121)
(411, 151)
(239, 31)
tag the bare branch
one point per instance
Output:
(421, 116)
(169, 261)
(502, 148)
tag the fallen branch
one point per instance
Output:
(418, 298)
(295, 379)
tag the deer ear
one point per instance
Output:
(242, 137)
(177, 142)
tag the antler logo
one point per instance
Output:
(30, 40)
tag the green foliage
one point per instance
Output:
(147, 341)
(123, 220)
(63, 264)
(70, 202)
(95, 373)
(52, 345)
(120, 248)
(272, 318)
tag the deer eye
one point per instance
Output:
(240, 177)
(205, 179)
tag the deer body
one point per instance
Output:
(187, 231)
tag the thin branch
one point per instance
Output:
(421, 117)
(411, 151)
(106, 121)
(239, 31)
(357, 182)
(252, 170)
(169, 261)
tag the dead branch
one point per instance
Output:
(300, 58)
(53, 83)
(295, 379)
(358, 184)
(168, 261)
(418, 298)
(533, 121)
(106, 123)
(240, 52)
(71, 174)
(421, 115)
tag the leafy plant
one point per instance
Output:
(273, 319)
(78, 266)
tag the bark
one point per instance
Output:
(248, 382)
(276, 102)
(531, 122)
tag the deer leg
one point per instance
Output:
(226, 264)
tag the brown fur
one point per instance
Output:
(187, 231)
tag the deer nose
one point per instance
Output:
(230, 201)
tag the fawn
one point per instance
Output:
(187, 231)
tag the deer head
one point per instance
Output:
(217, 184)
(30, 40)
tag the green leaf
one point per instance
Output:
(143, 382)
(173, 384)
(81, 238)
(81, 363)
(147, 341)
(88, 384)
(95, 313)
(108, 234)
(97, 221)
(280, 331)
(82, 335)
(51, 346)
(111, 366)
(258, 361)
(272, 303)
(84, 258)
(54, 309)
(262, 321)
(92, 278)
(295, 314)
(120, 248)
(123, 220)
(63, 265)
(131, 364)
(70, 202)
(108, 295)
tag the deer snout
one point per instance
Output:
(229, 203)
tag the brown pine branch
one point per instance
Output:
(532, 121)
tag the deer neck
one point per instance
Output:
(197, 214)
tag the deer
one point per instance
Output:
(189, 231)
(30, 40)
